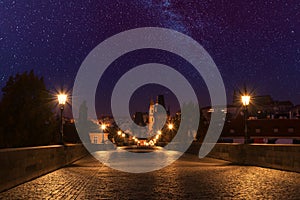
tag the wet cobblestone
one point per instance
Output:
(187, 178)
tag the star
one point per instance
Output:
(249, 42)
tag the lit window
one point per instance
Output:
(95, 139)
(224, 111)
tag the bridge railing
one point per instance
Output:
(277, 156)
(19, 165)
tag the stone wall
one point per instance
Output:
(277, 156)
(19, 165)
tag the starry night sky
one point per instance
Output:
(252, 42)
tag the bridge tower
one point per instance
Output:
(151, 116)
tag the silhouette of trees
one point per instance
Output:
(26, 116)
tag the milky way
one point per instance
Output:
(251, 42)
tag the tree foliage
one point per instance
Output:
(25, 112)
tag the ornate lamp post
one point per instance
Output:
(119, 135)
(171, 127)
(124, 138)
(62, 99)
(246, 101)
(103, 127)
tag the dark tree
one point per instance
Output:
(25, 112)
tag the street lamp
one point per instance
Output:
(119, 133)
(246, 101)
(170, 126)
(62, 99)
(103, 127)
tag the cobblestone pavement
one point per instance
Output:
(187, 178)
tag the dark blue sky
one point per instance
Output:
(252, 42)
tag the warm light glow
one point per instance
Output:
(123, 135)
(119, 132)
(62, 99)
(170, 126)
(246, 100)
(159, 132)
(157, 137)
(103, 126)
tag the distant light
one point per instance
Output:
(151, 143)
(159, 132)
(103, 126)
(119, 132)
(62, 99)
(157, 137)
(123, 135)
(170, 126)
(211, 110)
(246, 100)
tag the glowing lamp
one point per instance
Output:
(246, 100)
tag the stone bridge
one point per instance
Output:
(69, 172)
